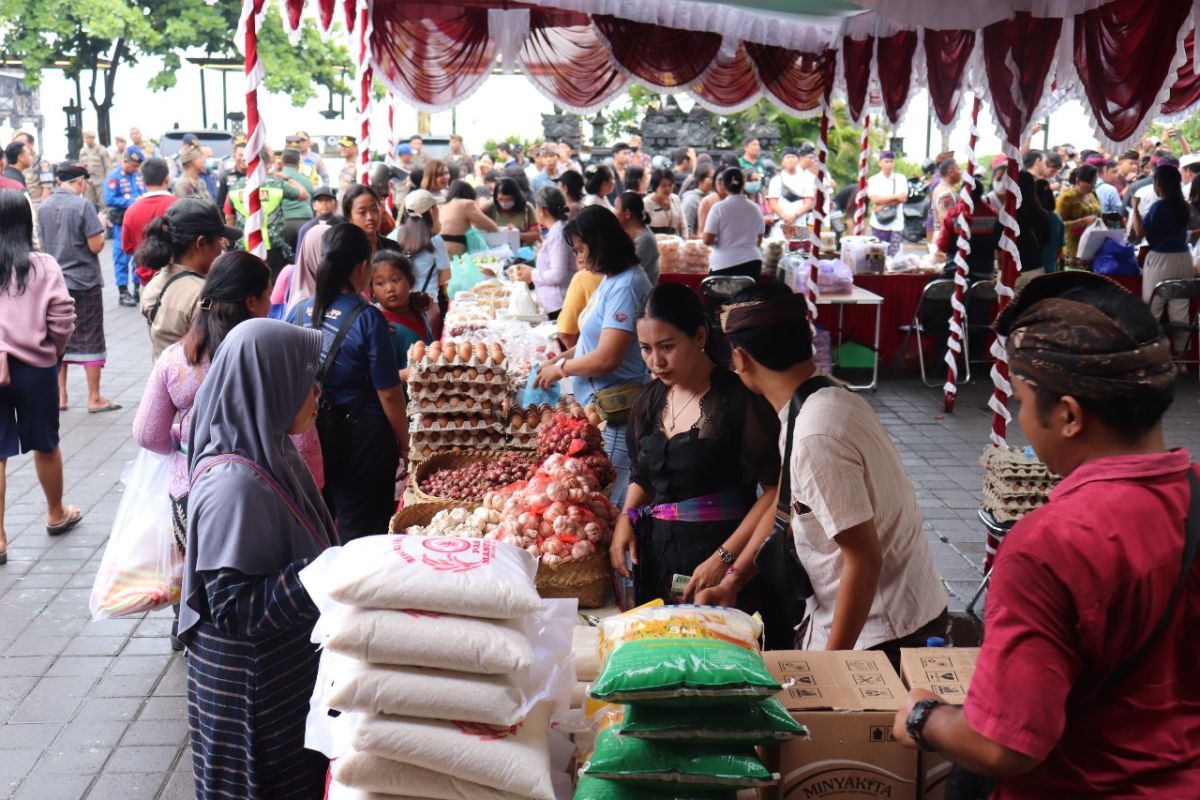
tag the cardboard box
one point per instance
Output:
(848, 700)
(945, 671)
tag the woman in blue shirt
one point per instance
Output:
(1165, 228)
(607, 352)
(362, 422)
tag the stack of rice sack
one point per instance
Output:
(428, 663)
(695, 699)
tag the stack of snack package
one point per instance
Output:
(688, 699)
(441, 671)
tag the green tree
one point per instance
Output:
(97, 37)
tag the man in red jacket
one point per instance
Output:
(154, 203)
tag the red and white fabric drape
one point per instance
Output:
(1123, 58)
(860, 194)
(365, 80)
(256, 173)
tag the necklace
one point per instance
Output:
(675, 416)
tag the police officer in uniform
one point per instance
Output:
(122, 186)
(349, 174)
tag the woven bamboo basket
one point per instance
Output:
(586, 579)
(451, 459)
(420, 514)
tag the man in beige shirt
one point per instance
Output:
(99, 163)
(854, 515)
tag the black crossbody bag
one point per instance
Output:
(785, 581)
(329, 416)
(962, 784)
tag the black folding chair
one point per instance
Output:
(978, 300)
(931, 319)
(1185, 290)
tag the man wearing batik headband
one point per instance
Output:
(854, 515)
(1086, 682)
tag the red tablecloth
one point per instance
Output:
(901, 294)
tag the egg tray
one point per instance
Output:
(437, 386)
(455, 423)
(475, 402)
(423, 445)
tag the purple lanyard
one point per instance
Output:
(254, 466)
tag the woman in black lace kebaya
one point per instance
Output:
(702, 446)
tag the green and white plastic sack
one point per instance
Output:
(763, 722)
(649, 763)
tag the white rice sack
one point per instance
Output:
(423, 639)
(426, 693)
(585, 643)
(466, 577)
(579, 694)
(362, 776)
(515, 759)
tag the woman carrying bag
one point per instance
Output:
(605, 365)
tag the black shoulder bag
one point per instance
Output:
(158, 303)
(786, 586)
(962, 784)
(328, 414)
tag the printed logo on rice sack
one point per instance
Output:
(445, 555)
(487, 733)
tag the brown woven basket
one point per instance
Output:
(586, 578)
(420, 514)
(451, 459)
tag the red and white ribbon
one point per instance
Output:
(820, 215)
(365, 78)
(256, 173)
(1006, 280)
(954, 345)
(390, 157)
(860, 197)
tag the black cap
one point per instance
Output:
(192, 217)
(806, 149)
(322, 191)
(70, 171)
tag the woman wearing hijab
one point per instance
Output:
(300, 283)
(255, 519)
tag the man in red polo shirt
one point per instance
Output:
(1086, 685)
(154, 203)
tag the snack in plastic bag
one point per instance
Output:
(515, 759)
(681, 622)
(423, 639)
(661, 653)
(649, 763)
(363, 772)
(142, 568)
(762, 722)
(590, 788)
(466, 577)
(426, 693)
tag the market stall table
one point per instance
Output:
(858, 297)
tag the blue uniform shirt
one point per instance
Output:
(614, 304)
(121, 188)
(366, 360)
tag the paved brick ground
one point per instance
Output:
(97, 710)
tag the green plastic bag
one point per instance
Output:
(683, 671)
(464, 275)
(476, 241)
(641, 761)
(763, 722)
(599, 789)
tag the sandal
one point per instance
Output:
(74, 516)
(110, 407)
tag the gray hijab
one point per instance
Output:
(259, 380)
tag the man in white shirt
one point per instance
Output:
(792, 193)
(887, 192)
(855, 520)
(1189, 167)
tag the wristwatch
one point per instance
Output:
(726, 557)
(917, 719)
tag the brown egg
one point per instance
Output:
(517, 420)
(547, 415)
(453, 402)
(457, 372)
(472, 374)
(531, 419)
(469, 402)
(488, 374)
(418, 353)
(485, 404)
(426, 404)
(451, 350)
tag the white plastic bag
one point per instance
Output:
(142, 568)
